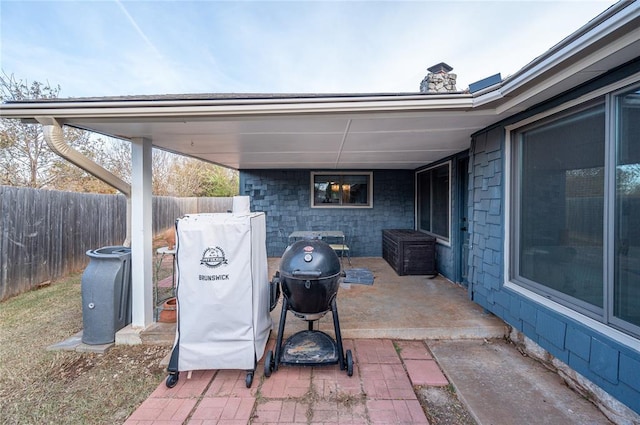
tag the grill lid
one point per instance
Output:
(309, 259)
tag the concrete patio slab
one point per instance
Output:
(394, 307)
(500, 386)
(401, 307)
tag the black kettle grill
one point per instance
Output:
(309, 276)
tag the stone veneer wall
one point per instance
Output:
(284, 195)
(613, 367)
(440, 82)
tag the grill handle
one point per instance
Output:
(306, 273)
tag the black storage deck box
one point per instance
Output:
(409, 252)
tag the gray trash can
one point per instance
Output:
(106, 294)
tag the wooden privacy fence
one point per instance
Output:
(45, 234)
(166, 209)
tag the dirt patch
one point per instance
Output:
(348, 400)
(442, 406)
(73, 368)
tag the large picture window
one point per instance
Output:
(433, 193)
(342, 190)
(576, 209)
(626, 295)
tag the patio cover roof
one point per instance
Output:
(345, 131)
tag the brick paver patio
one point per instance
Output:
(379, 392)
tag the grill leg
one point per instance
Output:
(336, 328)
(283, 318)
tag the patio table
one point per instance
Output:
(316, 234)
(335, 238)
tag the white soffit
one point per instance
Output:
(386, 141)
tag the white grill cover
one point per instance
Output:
(241, 205)
(222, 291)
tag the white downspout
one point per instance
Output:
(54, 137)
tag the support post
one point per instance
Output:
(141, 234)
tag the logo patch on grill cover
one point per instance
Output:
(213, 257)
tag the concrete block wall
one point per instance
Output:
(285, 197)
(612, 366)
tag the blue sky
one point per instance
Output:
(118, 47)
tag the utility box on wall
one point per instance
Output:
(409, 252)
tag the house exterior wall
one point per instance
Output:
(285, 197)
(595, 354)
(486, 218)
(448, 254)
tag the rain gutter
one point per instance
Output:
(54, 136)
(76, 108)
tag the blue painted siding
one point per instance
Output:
(604, 360)
(448, 256)
(551, 328)
(284, 195)
(630, 371)
(607, 363)
(578, 343)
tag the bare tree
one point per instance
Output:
(161, 162)
(192, 177)
(116, 157)
(72, 178)
(186, 177)
(25, 159)
(219, 181)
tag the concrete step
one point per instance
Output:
(159, 334)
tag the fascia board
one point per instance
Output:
(488, 95)
(71, 110)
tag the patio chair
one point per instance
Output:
(343, 247)
(284, 236)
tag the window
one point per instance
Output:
(343, 190)
(433, 194)
(561, 205)
(626, 294)
(576, 209)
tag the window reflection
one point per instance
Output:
(342, 190)
(562, 205)
(627, 216)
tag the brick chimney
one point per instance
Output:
(439, 80)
